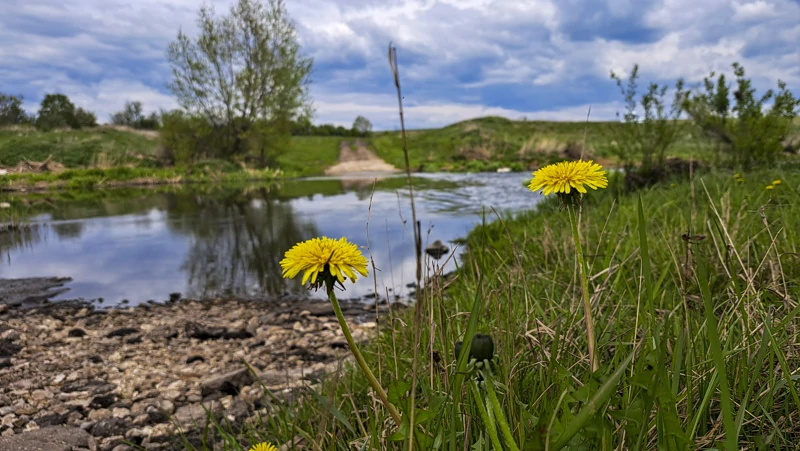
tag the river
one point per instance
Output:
(133, 246)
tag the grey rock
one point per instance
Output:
(195, 414)
(54, 438)
(230, 383)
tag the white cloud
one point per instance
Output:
(757, 10)
(105, 52)
(381, 110)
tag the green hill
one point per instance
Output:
(477, 144)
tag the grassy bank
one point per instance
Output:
(492, 142)
(483, 144)
(695, 303)
(123, 176)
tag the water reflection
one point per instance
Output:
(140, 245)
(240, 254)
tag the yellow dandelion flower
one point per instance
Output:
(776, 182)
(564, 176)
(264, 447)
(736, 176)
(768, 187)
(333, 259)
(739, 180)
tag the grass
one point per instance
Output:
(483, 144)
(492, 142)
(76, 148)
(694, 294)
(311, 155)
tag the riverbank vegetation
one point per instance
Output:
(690, 281)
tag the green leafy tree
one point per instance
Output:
(130, 116)
(745, 128)
(649, 127)
(242, 70)
(83, 119)
(362, 126)
(11, 111)
(55, 111)
(133, 116)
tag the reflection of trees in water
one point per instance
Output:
(19, 236)
(237, 242)
(67, 230)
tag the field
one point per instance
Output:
(694, 297)
(483, 144)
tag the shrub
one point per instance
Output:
(750, 133)
(641, 141)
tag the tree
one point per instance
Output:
(130, 116)
(244, 69)
(11, 112)
(83, 119)
(645, 139)
(362, 126)
(55, 111)
(746, 129)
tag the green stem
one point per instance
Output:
(498, 412)
(587, 309)
(486, 417)
(360, 359)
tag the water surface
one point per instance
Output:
(141, 245)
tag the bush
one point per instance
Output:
(11, 112)
(57, 111)
(132, 116)
(641, 142)
(746, 130)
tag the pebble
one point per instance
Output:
(77, 368)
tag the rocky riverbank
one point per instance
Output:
(133, 374)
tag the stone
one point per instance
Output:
(99, 414)
(10, 335)
(122, 331)
(41, 395)
(8, 349)
(54, 438)
(120, 412)
(196, 414)
(76, 332)
(229, 383)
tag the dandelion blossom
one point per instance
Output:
(334, 259)
(769, 187)
(776, 182)
(264, 447)
(565, 176)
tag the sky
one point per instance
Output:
(459, 59)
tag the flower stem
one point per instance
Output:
(486, 416)
(360, 359)
(587, 309)
(498, 412)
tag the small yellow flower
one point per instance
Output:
(264, 447)
(672, 185)
(736, 176)
(332, 259)
(769, 187)
(564, 176)
(776, 182)
(739, 180)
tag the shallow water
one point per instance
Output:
(141, 245)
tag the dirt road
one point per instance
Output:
(357, 158)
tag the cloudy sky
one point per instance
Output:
(544, 59)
